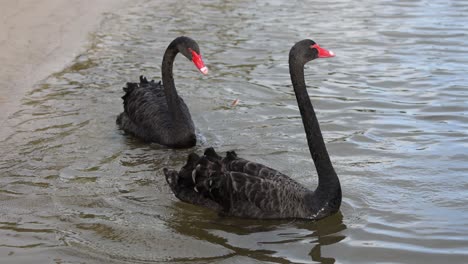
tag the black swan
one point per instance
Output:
(238, 187)
(154, 112)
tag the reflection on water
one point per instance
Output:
(73, 188)
(275, 241)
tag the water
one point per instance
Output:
(392, 107)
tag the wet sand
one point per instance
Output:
(38, 38)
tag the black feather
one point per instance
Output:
(154, 112)
(242, 188)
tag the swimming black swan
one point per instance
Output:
(153, 111)
(238, 187)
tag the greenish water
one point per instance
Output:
(392, 107)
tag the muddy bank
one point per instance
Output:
(39, 37)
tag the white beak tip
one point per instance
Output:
(204, 70)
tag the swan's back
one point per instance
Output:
(146, 115)
(237, 187)
(233, 163)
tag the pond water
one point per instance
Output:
(391, 104)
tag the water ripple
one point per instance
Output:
(391, 106)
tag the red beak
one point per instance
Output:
(323, 53)
(197, 60)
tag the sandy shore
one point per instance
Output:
(38, 38)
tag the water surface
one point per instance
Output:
(392, 107)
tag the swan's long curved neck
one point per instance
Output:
(328, 180)
(168, 79)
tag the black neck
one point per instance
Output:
(168, 79)
(326, 173)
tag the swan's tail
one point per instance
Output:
(191, 183)
(194, 174)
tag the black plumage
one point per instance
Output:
(154, 112)
(238, 187)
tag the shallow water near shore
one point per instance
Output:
(391, 104)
